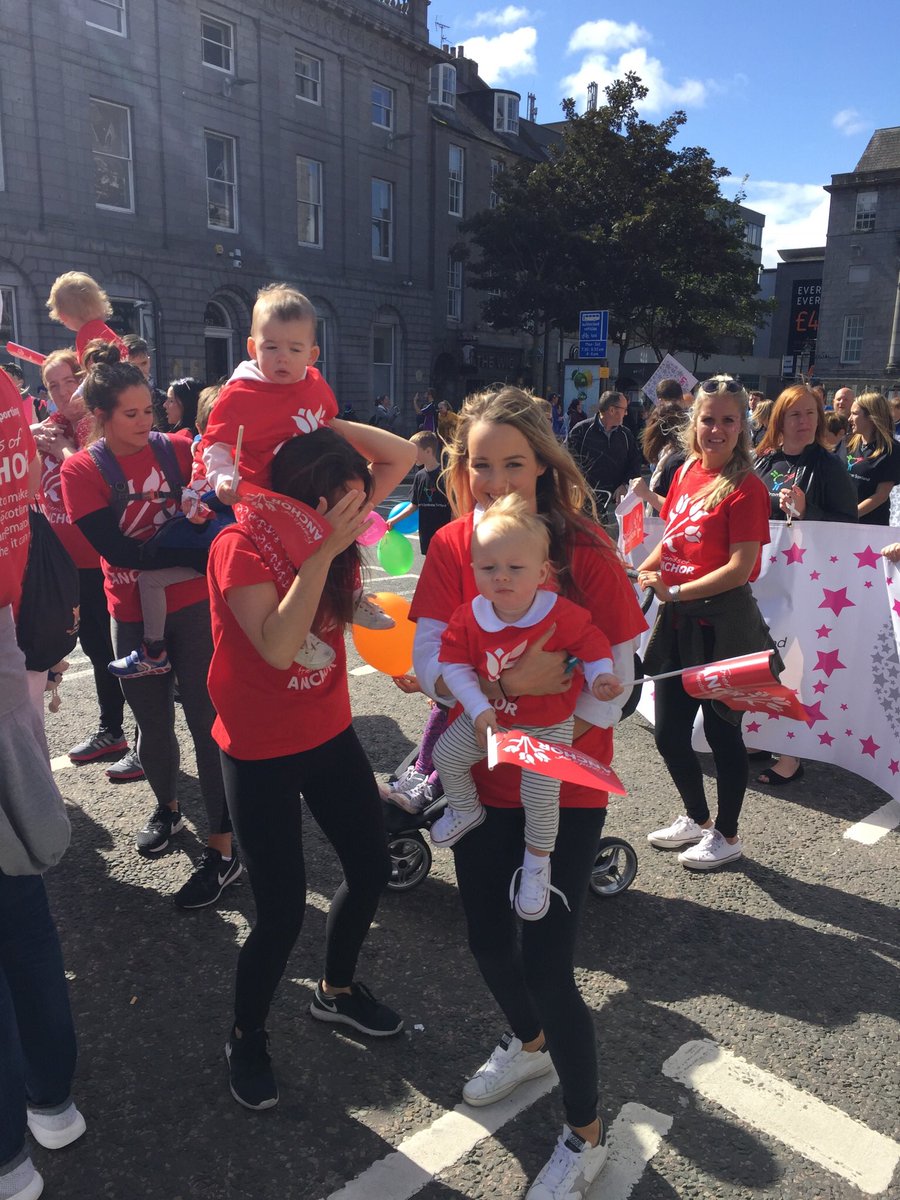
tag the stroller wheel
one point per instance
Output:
(410, 860)
(614, 867)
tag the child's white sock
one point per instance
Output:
(534, 862)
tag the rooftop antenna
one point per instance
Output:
(443, 27)
(532, 107)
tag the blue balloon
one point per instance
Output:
(409, 524)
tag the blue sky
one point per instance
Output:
(786, 94)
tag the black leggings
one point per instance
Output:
(96, 641)
(534, 981)
(264, 796)
(675, 712)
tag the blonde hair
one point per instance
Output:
(67, 356)
(208, 397)
(877, 409)
(774, 435)
(283, 303)
(740, 464)
(510, 514)
(79, 297)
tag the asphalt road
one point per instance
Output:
(786, 961)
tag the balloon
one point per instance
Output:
(388, 650)
(395, 553)
(409, 524)
(374, 531)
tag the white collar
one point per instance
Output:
(249, 369)
(487, 619)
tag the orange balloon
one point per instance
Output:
(388, 650)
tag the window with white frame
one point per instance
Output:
(322, 329)
(309, 202)
(382, 106)
(9, 320)
(111, 148)
(506, 112)
(442, 89)
(217, 43)
(454, 288)
(852, 340)
(498, 166)
(866, 209)
(106, 14)
(384, 354)
(307, 77)
(457, 180)
(382, 219)
(221, 181)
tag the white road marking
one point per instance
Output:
(364, 670)
(876, 825)
(801, 1121)
(61, 763)
(385, 577)
(425, 1154)
(634, 1137)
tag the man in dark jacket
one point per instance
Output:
(604, 449)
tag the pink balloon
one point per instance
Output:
(374, 531)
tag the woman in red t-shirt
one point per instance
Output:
(503, 443)
(717, 521)
(119, 397)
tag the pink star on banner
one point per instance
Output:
(790, 735)
(753, 727)
(868, 583)
(773, 558)
(819, 688)
(823, 631)
(869, 746)
(814, 575)
(894, 766)
(836, 600)
(848, 732)
(826, 739)
(834, 558)
(814, 713)
(866, 558)
(829, 662)
(794, 555)
(843, 708)
(896, 607)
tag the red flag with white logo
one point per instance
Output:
(521, 749)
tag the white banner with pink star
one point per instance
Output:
(832, 604)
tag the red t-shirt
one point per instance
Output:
(448, 580)
(271, 413)
(490, 652)
(50, 496)
(86, 491)
(17, 450)
(696, 542)
(91, 330)
(263, 712)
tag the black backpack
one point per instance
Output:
(47, 628)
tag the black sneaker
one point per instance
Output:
(154, 837)
(127, 770)
(209, 880)
(251, 1078)
(359, 1009)
(99, 745)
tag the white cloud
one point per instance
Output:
(503, 57)
(599, 43)
(849, 122)
(501, 18)
(796, 213)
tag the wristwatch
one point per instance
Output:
(674, 591)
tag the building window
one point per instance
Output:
(382, 219)
(217, 44)
(111, 146)
(498, 166)
(752, 234)
(851, 342)
(457, 180)
(382, 106)
(866, 208)
(309, 202)
(106, 14)
(307, 77)
(384, 348)
(858, 275)
(9, 322)
(506, 112)
(454, 288)
(221, 181)
(322, 343)
(443, 85)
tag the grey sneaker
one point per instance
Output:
(21, 1182)
(53, 1130)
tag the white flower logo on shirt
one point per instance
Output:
(307, 421)
(686, 519)
(498, 660)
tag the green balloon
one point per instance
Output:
(395, 553)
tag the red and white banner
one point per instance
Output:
(523, 750)
(746, 684)
(299, 529)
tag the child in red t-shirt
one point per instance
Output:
(510, 558)
(80, 303)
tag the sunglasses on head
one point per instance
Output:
(711, 386)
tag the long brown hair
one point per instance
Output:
(877, 409)
(774, 435)
(740, 464)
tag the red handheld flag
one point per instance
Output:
(746, 684)
(521, 749)
(32, 356)
(298, 528)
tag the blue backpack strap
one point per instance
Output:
(166, 457)
(113, 475)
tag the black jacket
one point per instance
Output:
(608, 460)
(823, 479)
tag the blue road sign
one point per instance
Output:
(593, 328)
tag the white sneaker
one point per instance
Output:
(572, 1168)
(55, 1130)
(508, 1066)
(453, 823)
(711, 852)
(408, 781)
(22, 1182)
(682, 832)
(531, 899)
(370, 615)
(314, 654)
